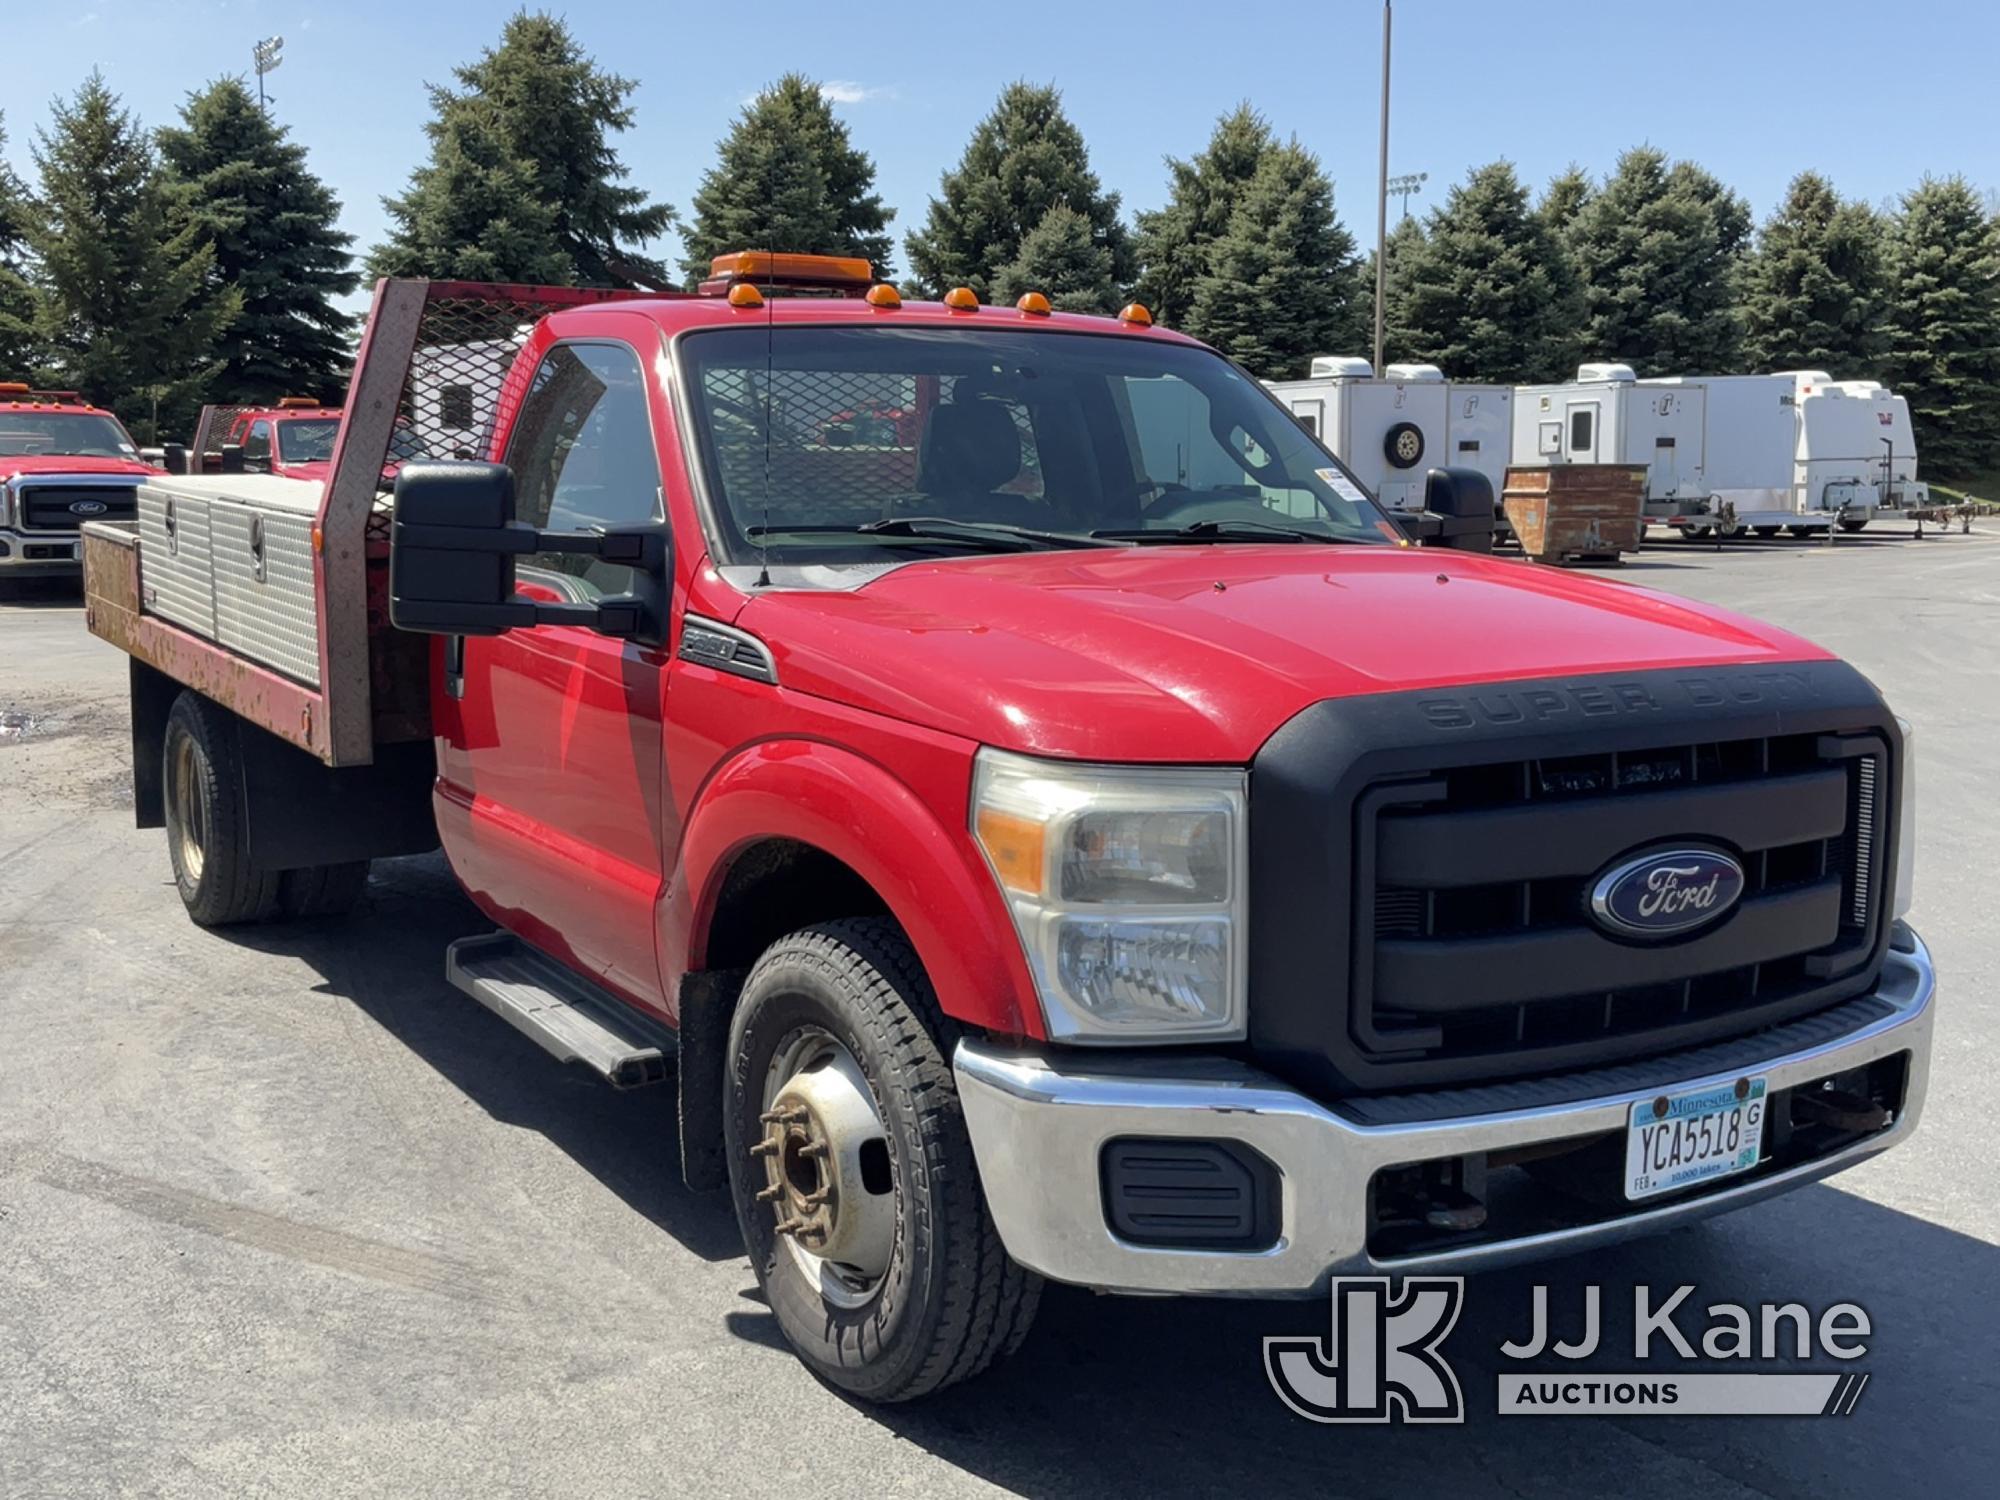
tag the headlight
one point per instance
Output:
(1126, 887)
(1906, 822)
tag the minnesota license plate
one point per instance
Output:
(1677, 1140)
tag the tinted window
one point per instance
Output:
(1579, 430)
(582, 455)
(805, 428)
(257, 446)
(31, 432)
(307, 439)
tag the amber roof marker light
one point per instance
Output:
(884, 296)
(961, 299)
(1034, 305)
(1136, 314)
(745, 295)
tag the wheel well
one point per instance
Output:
(777, 887)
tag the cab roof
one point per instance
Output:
(683, 313)
(18, 395)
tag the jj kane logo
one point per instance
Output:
(1382, 1363)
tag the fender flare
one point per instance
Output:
(931, 876)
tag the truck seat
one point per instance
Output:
(968, 451)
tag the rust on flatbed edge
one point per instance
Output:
(112, 612)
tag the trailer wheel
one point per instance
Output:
(202, 777)
(322, 890)
(852, 1174)
(1403, 445)
(1847, 525)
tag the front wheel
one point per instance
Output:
(1847, 525)
(852, 1173)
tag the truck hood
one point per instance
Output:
(1199, 653)
(69, 463)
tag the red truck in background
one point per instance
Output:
(1061, 829)
(63, 461)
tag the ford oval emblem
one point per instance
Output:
(1666, 892)
(88, 507)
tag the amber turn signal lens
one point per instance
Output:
(1135, 313)
(883, 295)
(1034, 304)
(1015, 846)
(960, 299)
(745, 295)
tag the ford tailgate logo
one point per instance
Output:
(88, 507)
(1666, 892)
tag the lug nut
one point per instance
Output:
(772, 1193)
(764, 1148)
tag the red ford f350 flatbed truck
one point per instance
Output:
(63, 461)
(1040, 814)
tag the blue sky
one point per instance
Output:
(1872, 94)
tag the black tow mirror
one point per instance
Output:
(1458, 511)
(232, 458)
(453, 547)
(174, 458)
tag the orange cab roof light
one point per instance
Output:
(14, 388)
(850, 274)
(295, 403)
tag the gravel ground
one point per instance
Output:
(283, 1214)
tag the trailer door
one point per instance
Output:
(1580, 432)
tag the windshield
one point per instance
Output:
(307, 440)
(810, 435)
(25, 433)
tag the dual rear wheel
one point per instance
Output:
(208, 840)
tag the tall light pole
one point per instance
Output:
(1408, 186)
(265, 57)
(1382, 198)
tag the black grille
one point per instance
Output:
(1422, 866)
(1483, 940)
(50, 507)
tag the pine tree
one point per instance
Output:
(127, 305)
(1061, 258)
(1487, 294)
(1564, 199)
(1023, 159)
(1282, 284)
(523, 183)
(1406, 240)
(1174, 243)
(1657, 251)
(788, 178)
(1813, 289)
(20, 347)
(1944, 323)
(245, 190)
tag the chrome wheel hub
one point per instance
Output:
(190, 810)
(827, 1179)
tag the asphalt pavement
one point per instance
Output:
(281, 1213)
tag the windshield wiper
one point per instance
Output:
(943, 529)
(1223, 529)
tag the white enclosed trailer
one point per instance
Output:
(1749, 443)
(1479, 430)
(1605, 416)
(1855, 454)
(1390, 430)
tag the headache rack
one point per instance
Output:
(270, 595)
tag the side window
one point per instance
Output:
(1579, 430)
(257, 447)
(582, 455)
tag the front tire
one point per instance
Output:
(1852, 526)
(852, 1174)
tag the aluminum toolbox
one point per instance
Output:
(264, 587)
(231, 559)
(176, 582)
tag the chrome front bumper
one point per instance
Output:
(59, 553)
(1038, 1126)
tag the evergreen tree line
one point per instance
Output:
(204, 261)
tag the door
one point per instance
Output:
(1309, 412)
(1581, 434)
(551, 770)
(257, 449)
